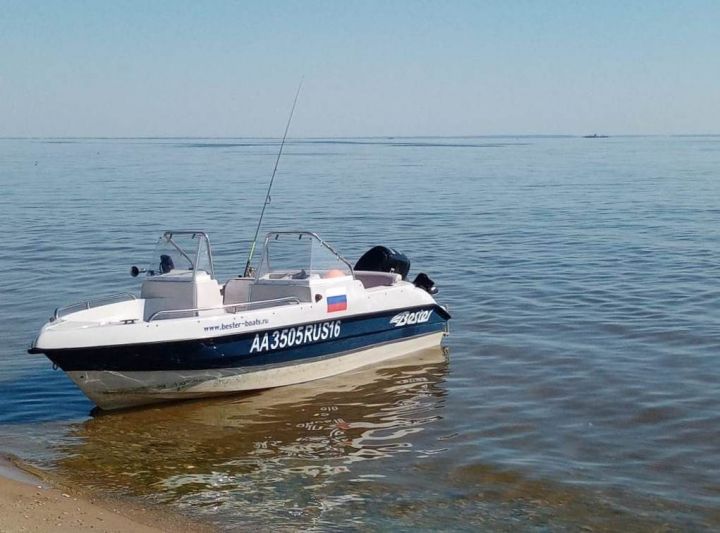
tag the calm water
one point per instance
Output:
(580, 388)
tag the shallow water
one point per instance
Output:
(580, 388)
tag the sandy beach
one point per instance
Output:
(28, 503)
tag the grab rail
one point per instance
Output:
(246, 306)
(88, 304)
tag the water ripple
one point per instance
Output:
(582, 389)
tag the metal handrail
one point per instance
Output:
(88, 304)
(246, 306)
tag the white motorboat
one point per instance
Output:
(305, 314)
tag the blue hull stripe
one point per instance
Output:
(247, 350)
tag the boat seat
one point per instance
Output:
(237, 291)
(180, 289)
(263, 290)
(371, 279)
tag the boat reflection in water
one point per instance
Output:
(266, 455)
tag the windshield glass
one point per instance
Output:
(181, 252)
(300, 255)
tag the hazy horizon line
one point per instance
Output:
(486, 136)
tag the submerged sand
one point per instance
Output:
(28, 503)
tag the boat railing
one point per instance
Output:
(89, 304)
(233, 308)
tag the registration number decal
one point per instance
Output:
(297, 336)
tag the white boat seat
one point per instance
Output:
(237, 291)
(179, 289)
(263, 290)
(371, 279)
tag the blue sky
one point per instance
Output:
(221, 68)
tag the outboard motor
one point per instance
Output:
(422, 281)
(383, 259)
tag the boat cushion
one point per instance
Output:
(371, 279)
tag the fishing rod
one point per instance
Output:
(272, 179)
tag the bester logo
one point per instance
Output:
(408, 318)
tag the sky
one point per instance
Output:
(371, 68)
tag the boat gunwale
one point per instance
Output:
(442, 311)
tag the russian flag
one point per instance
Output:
(336, 300)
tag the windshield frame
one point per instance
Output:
(274, 235)
(192, 256)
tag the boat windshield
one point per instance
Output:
(181, 251)
(300, 255)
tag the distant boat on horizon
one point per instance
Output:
(595, 136)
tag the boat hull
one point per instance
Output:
(111, 390)
(128, 375)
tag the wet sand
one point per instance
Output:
(29, 503)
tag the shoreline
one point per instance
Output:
(32, 501)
